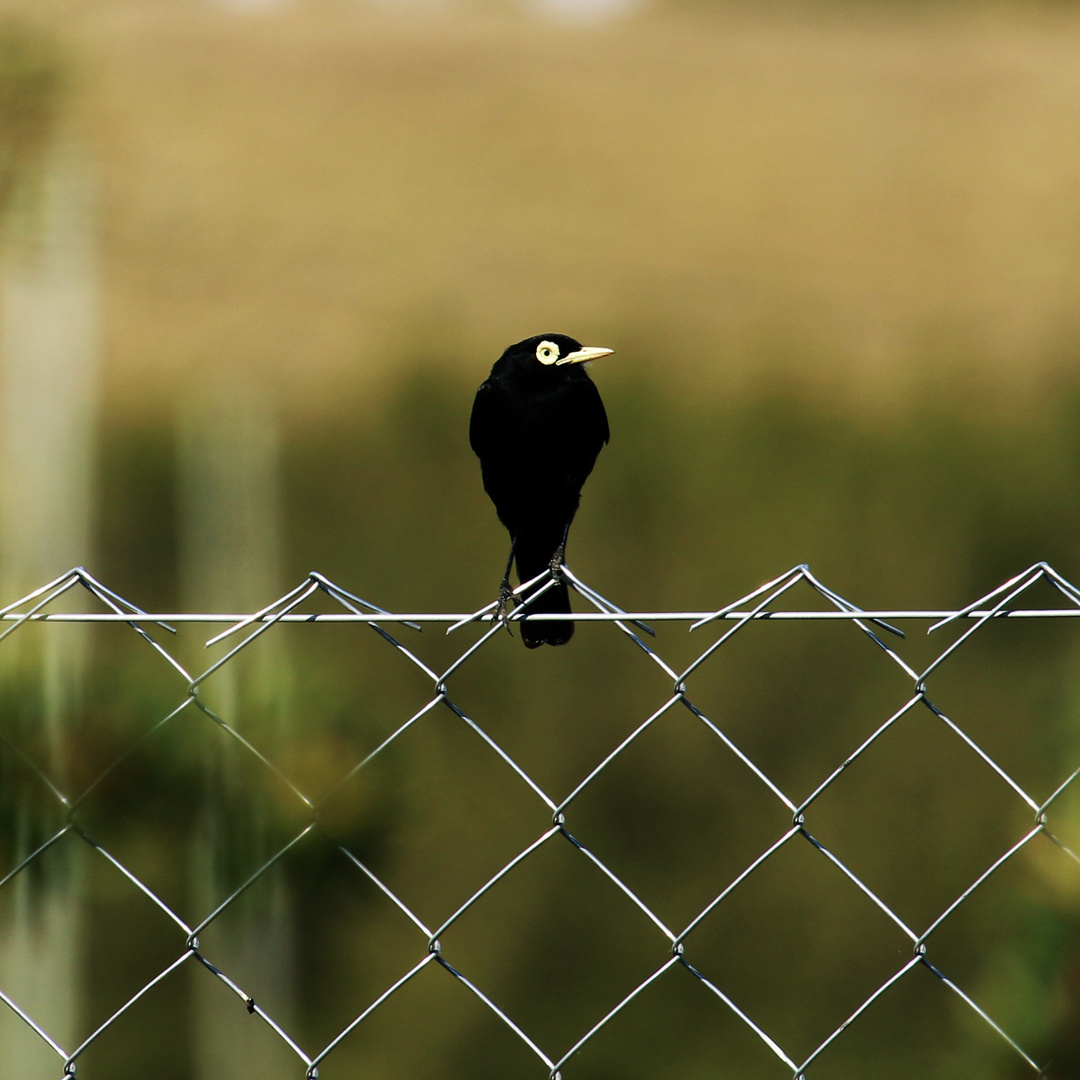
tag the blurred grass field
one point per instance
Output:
(868, 200)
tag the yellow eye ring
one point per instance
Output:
(547, 352)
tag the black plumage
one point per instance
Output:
(537, 426)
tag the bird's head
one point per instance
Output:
(552, 351)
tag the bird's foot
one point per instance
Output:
(556, 563)
(502, 608)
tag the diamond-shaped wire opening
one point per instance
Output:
(1002, 905)
(773, 945)
(116, 934)
(1017, 713)
(677, 1017)
(557, 734)
(935, 1018)
(192, 814)
(312, 942)
(918, 796)
(143, 1028)
(451, 1014)
(601, 944)
(353, 938)
(798, 698)
(461, 815)
(677, 815)
(70, 717)
(344, 691)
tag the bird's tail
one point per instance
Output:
(533, 560)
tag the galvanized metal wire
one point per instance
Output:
(763, 604)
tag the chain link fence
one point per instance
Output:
(433, 941)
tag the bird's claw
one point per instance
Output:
(502, 613)
(556, 563)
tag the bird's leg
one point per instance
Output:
(558, 556)
(506, 591)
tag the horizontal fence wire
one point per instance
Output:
(716, 627)
(895, 614)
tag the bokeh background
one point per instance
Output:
(256, 257)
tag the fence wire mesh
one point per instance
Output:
(433, 941)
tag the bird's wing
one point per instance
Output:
(480, 420)
(584, 432)
(590, 416)
(601, 415)
(488, 420)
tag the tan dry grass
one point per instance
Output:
(844, 199)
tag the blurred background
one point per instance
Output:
(257, 255)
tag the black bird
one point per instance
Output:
(537, 426)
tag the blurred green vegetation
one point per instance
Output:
(31, 86)
(689, 507)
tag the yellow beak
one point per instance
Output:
(582, 355)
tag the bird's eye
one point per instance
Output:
(547, 352)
